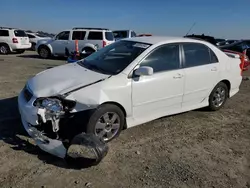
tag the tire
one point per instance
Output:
(109, 129)
(20, 51)
(33, 46)
(218, 96)
(88, 51)
(4, 49)
(44, 52)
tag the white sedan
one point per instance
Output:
(130, 82)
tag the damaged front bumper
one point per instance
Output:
(29, 116)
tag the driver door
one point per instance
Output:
(61, 41)
(161, 93)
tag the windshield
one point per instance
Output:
(114, 58)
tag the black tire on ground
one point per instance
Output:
(221, 92)
(86, 150)
(20, 51)
(98, 114)
(33, 46)
(44, 52)
(4, 49)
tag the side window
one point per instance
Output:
(4, 33)
(133, 34)
(78, 35)
(95, 35)
(63, 35)
(31, 36)
(213, 57)
(196, 54)
(164, 58)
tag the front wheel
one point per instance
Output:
(44, 52)
(106, 122)
(218, 96)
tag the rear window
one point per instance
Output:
(95, 35)
(120, 34)
(20, 33)
(109, 36)
(4, 33)
(78, 35)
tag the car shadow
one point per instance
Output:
(13, 133)
(36, 56)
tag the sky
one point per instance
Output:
(220, 18)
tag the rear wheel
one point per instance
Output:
(44, 52)
(87, 51)
(218, 96)
(4, 49)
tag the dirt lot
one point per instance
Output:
(194, 149)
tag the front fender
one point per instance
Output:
(45, 43)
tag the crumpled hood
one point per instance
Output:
(62, 79)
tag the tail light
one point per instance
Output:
(104, 43)
(14, 40)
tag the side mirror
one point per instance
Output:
(144, 71)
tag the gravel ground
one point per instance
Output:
(194, 149)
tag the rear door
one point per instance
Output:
(77, 35)
(21, 37)
(201, 67)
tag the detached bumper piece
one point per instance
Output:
(86, 150)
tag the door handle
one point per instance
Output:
(178, 76)
(214, 69)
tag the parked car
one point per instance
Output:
(127, 83)
(34, 37)
(13, 40)
(218, 41)
(121, 34)
(226, 42)
(207, 38)
(89, 41)
(239, 46)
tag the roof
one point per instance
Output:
(159, 39)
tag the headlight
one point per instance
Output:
(51, 105)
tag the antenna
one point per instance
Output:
(191, 28)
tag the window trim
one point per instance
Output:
(84, 38)
(60, 33)
(184, 58)
(87, 37)
(131, 74)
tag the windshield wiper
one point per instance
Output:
(96, 68)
